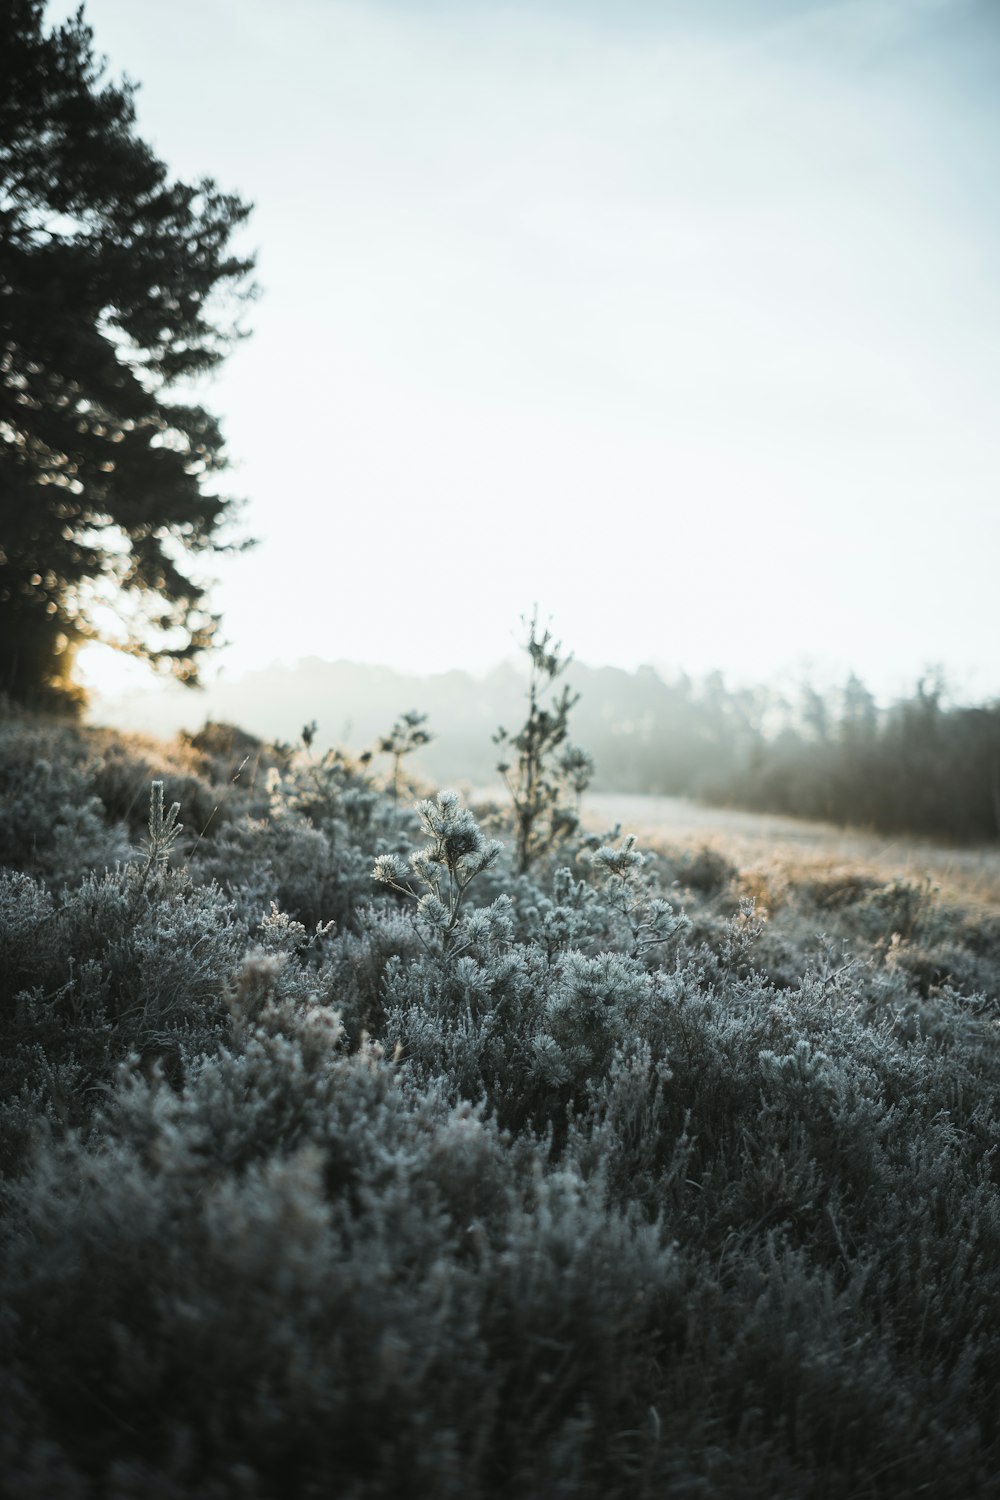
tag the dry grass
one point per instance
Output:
(777, 848)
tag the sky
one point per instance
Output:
(680, 320)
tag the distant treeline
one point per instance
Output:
(922, 765)
(919, 766)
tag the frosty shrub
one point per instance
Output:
(51, 821)
(439, 875)
(649, 921)
(482, 1177)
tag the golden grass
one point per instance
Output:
(775, 849)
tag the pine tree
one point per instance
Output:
(545, 786)
(116, 286)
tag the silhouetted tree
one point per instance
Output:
(109, 276)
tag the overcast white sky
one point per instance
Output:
(682, 319)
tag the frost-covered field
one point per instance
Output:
(340, 1158)
(764, 840)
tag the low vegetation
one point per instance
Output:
(347, 1152)
(926, 765)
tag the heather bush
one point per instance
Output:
(52, 823)
(621, 1175)
(121, 773)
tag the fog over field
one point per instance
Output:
(925, 764)
(678, 319)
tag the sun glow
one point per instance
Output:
(104, 672)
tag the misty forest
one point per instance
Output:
(361, 1136)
